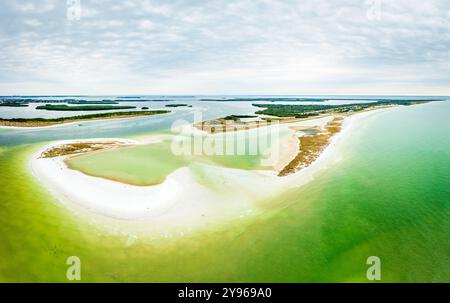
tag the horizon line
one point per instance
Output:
(217, 94)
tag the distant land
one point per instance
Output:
(39, 122)
(82, 107)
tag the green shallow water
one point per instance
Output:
(150, 164)
(388, 197)
(142, 165)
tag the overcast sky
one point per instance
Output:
(225, 47)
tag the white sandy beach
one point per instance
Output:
(181, 200)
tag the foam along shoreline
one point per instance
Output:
(181, 200)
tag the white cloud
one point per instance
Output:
(223, 46)
(146, 24)
(34, 7)
(33, 22)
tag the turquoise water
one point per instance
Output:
(388, 197)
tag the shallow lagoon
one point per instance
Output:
(150, 164)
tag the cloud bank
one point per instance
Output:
(225, 47)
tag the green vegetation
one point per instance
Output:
(43, 121)
(92, 102)
(311, 99)
(177, 105)
(268, 99)
(29, 100)
(81, 108)
(304, 111)
(270, 119)
(13, 104)
(237, 117)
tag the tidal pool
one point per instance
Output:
(150, 164)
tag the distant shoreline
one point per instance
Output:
(43, 122)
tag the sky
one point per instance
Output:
(107, 47)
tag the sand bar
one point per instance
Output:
(181, 200)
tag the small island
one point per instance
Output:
(82, 108)
(92, 102)
(239, 117)
(39, 122)
(178, 105)
(13, 104)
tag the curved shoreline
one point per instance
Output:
(181, 200)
